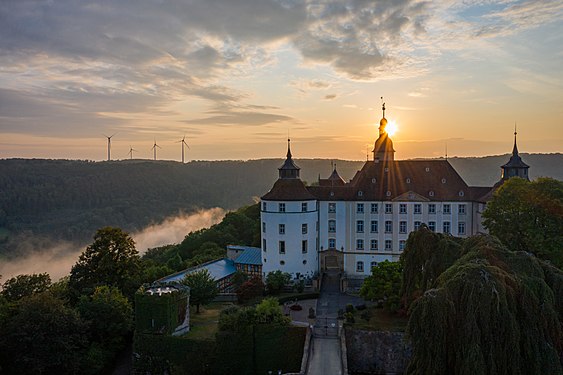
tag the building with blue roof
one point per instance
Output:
(247, 259)
(239, 258)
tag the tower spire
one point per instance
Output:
(289, 169)
(515, 148)
(288, 148)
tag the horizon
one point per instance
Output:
(236, 78)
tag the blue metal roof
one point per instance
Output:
(250, 255)
(218, 269)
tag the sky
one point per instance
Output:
(235, 77)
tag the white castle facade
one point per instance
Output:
(352, 226)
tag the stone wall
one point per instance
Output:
(377, 352)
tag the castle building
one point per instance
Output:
(352, 226)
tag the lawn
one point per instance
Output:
(205, 324)
(379, 320)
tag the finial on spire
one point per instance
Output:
(288, 147)
(383, 106)
(446, 150)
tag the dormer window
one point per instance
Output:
(461, 193)
(388, 193)
(443, 180)
(427, 169)
(408, 180)
(373, 180)
(360, 193)
(431, 193)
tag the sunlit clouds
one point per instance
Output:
(236, 76)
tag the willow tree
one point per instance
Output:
(493, 311)
(528, 216)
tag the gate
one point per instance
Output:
(325, 327)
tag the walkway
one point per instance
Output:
(325, 353)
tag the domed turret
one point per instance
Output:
(383, 148)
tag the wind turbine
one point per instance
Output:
(154, 148)
(183, 142)
(131, 149)
(109, 145)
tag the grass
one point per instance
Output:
(380, 320)
(204, 325)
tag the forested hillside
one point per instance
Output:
(70, 199)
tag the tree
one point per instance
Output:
(202, 287)
(25, 285)
(250, 289)
(384, 283)
(110, 316)
(276, 280)
(487, 300)
(110, 260)
(528, 216)
(43, 336)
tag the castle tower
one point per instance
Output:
(515, 166)
(289, 224)
(383, 149)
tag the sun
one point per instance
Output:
(391, 128)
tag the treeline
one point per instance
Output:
(70, 199)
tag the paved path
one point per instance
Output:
(325, 359)
(325, 354)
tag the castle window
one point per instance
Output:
(461, 209)
(388, 245)
(402, 244)
(388, 208)
(360, 266)
(402, 227)
(331, 226)
(304, 228)
(447, 209)
(446, 227)
(360, 208)
(281, 247)
(373, 264)
(373, 226)
(374, 208)
(461, 228)
(281, 228)
(331, 208)
(432, 226)
(264, 245)
(331, 243)
(388, 226)
(402, 208)
(359, 244)
(304, 246)
(416, 225)
(373, 245)
(264, 206)
(304, 207)
(417, 208)
(282, 262)
(305, 261)
(432, 208)
(360, 226)
(281, 207)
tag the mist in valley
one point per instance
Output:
(58, 259)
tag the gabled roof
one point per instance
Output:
(250, 255)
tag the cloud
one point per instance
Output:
(330, 97)
(240, 118)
